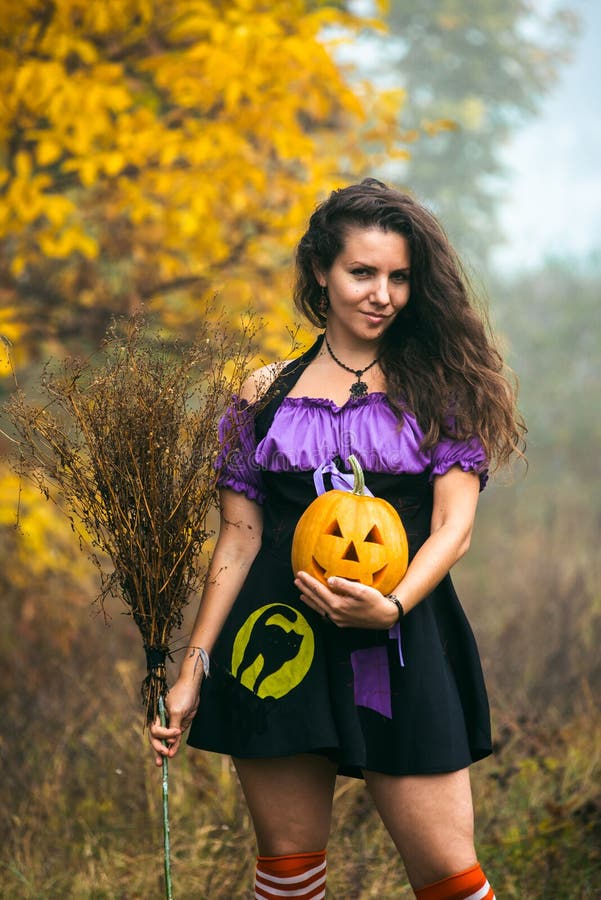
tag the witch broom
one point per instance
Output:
(125, 444)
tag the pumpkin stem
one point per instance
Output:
(359, 482)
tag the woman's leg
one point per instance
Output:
(430, 819)
(290, 802)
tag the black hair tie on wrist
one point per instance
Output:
(394, 599)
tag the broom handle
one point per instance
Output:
(166, 842)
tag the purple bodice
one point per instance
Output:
(308, 431)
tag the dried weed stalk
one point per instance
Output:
(129, 438)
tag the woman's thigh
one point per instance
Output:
(290, 801)
(430, 819)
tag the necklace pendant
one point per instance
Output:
(358, 388)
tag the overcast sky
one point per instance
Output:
(553, 202)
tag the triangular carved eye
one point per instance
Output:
(374, 536)
(333, 528)
(350, 553)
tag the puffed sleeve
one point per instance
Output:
(468, 454)
(236, 459)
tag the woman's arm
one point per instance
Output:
(238, 543)
(237, 546)
(352, 605)
(240, 533)
(453, 513)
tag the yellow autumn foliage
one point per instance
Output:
(43, 540)
(160, 150)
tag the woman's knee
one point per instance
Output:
(290, 802)
(430, 819)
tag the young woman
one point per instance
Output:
(309, 680)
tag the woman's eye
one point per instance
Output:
(359, 273)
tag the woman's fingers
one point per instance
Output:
(181, 703)
(328, 600)
(313, 593)
(164, 740)
(347, 604)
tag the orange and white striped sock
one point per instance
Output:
(468, 885)
(297, 875)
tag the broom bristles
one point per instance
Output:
(129, 440)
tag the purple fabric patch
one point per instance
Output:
(372, 679)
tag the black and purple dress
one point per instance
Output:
(283, 680)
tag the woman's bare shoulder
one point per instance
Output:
(260, 380)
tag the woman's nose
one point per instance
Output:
(381, 293)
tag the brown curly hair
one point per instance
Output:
(439, 357)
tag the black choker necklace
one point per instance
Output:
(359, 387)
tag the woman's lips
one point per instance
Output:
(374, 317)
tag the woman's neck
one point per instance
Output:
(352, 351)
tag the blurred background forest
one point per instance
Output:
(156, 152)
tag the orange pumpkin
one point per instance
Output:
(351, 535)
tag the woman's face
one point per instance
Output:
(368, 283)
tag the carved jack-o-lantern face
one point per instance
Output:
(353, 536)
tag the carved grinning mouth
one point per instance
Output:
(319, 569)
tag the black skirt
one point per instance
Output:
(285, 681)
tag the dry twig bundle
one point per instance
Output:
(130, 439)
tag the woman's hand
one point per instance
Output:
(347, 604)
(181, 704)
